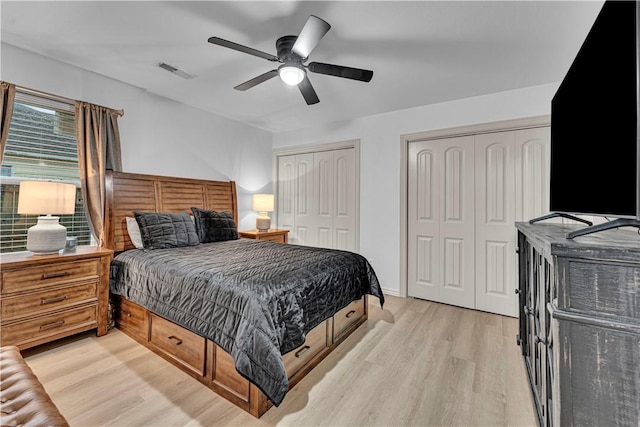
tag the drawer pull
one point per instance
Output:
(177, 340)
(542, 341)
(54, 275)
(126, 313)
(302, 351)
(52, 300)
(52, 325)
(349, 314)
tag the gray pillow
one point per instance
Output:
(160, 230)
(213, 226)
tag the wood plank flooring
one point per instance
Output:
(415, 363)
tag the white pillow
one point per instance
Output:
(134, 232)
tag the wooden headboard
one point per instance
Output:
(128, 192)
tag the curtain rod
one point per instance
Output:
(59, 98)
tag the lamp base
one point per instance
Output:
(47, 236)
(263, 223)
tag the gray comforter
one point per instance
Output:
(255, 299)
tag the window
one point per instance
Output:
(41, 145)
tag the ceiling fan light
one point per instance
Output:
(291, 75)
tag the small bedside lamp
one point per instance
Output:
(40, 197)
(263, 203)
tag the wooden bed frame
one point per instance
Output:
(196, 355)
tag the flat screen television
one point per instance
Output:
(595, 135)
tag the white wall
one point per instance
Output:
(164, 137)
(380, 166)
(159, 136)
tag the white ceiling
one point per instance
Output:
(421, 52)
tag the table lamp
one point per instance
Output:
(46, 198)
(263, 203)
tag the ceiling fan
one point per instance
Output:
(293, 52)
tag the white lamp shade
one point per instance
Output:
(46, 197)
(263, 202)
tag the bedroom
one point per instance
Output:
(170, 137)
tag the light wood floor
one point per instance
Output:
(413, 363)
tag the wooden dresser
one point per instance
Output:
(580, 324)
(273, 235)
(46, 297)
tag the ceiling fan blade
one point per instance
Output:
(308, 92)
(241, 48)
(311, 34)
(340, 71)
(257, 80)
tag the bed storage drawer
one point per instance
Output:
(131, 318)
(298, 358)
(181, 344)
(348, 316)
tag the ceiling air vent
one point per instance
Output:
(176, 71)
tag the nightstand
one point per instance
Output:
(273, 235)
(47, 297)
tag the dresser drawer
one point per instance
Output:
(298, 358)
(179, 343)
(48, 300)
(348, 316)
(131, 318)
(38, 276)
(275, 238)
(45, 328)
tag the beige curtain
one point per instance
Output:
(98, 150)
(7, 96)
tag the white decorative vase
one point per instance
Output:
(47, 236)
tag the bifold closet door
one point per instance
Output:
(317, 198)
(295, 197)
(441, 221)
(512, 184)
(464, 196)
(494, 215)
(343, 200)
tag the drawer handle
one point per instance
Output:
(126, 313)
(177, 340)
(52, 325)
(302, 351)
(349, 314)
(542, 341)
(52, 300)
(54, 275)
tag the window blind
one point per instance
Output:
(41, 146)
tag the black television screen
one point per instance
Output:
(594, 121)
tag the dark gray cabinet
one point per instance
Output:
(579, 316)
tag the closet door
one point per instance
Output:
(344, 200)
(532, 170)
(495, 216)
(323, 198)
(286, 194)
(305, 221)
(441, 221)
(318, 198)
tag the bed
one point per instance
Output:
(247, 318)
